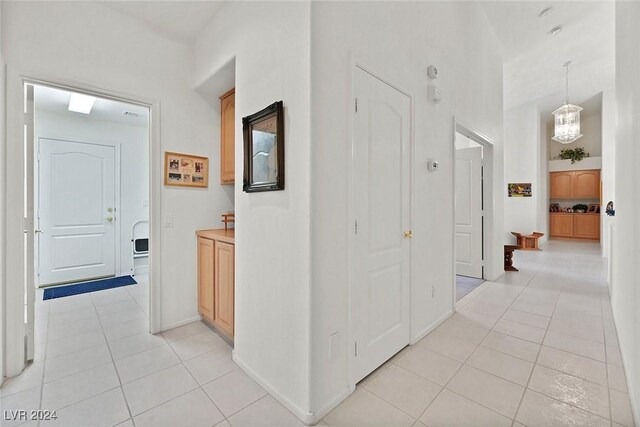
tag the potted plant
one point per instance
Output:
(580, 208)
(573, 154)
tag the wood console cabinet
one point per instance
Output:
(575, 225)
(216, 279)
(583, 184)
(227, 137)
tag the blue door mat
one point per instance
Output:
(84, 287)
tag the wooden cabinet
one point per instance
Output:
(216, 279)
(575, 184)
(561, 225)
(575, 225)
(227, 137)
(224, 287)
(586, 226)
(205, 278)
(586, 184)
(561, 185)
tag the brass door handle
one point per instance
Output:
(408, 234)
(109, 218)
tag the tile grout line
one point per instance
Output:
(114, 366)
(526, 387)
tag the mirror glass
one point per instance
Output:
(264, 162)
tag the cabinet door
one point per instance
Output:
(561, 225)
(586, 226)
(586, 184)
(205, 278)
(227, 137)
(224, 287)
(561, 185)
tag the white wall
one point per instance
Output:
(92, 44)
(522, 164)
(270, 43)
(591, 130)
(398, 41)
(134, 163)
(542, 196)
(2, 201)
(625, 289)
(608, 173)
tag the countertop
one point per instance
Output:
(218, 234)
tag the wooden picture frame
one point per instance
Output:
(263, 134)
(185, 170)
(593, 208)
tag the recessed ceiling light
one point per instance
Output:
(79, 103)
(555, 30)
(545, 12)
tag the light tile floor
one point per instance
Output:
(535, 348)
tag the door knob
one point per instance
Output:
(109, 210)
(408, 234)
(109, 218)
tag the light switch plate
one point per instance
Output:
(168, 220)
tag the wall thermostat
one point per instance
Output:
(433, 165)
(434, 93)
(432, 72)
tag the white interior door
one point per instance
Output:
(76, 211)
(381, 258)
(468, 212)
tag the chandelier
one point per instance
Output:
(567, 118)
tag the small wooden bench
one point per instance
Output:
(528, 242)
(508, 257)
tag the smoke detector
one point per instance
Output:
(130, 114)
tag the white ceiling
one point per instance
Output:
(57, 101)
(181, 20)
(533, 71)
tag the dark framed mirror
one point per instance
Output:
(264, 149)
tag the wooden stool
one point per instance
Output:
(530, 242)
(508, 257)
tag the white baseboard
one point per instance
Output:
(304, 416)
(180, 323)
(317, 416)
(426, 331)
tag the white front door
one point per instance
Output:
(468, 212)
(76, 209)
(381, 205)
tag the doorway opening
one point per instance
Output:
(87, 210)
(472, 190)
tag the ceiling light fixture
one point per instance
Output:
(555, 30)
(79, 103)
(567, 118)
(545, 12)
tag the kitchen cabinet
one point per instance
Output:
(586, 226)
(582, 184)
(216, 279)
(575, 225)
(227, 137)
(561, 225)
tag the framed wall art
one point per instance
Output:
(264, 149)
(185, 170)
(519, 189)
